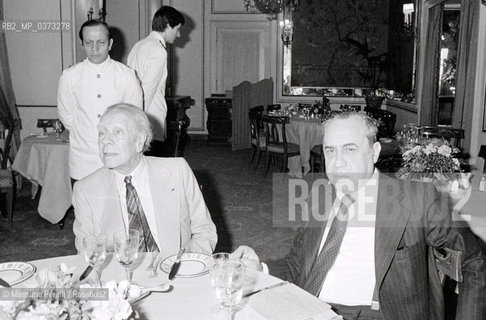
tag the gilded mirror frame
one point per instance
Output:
(346, 94)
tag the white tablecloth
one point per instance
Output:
(45, 160)
(191, 298)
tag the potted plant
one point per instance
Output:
(373, 74)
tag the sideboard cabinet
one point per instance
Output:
(219, 119)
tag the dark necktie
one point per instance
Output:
(137, 219)
(326, 258)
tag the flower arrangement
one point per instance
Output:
(431, 160)
(58, 296)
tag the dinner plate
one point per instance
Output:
(192, 265)
(16, 272)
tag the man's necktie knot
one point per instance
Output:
(128, 180)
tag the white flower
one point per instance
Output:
(444, 150)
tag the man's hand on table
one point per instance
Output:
(248, 257)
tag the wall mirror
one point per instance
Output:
(334, 41)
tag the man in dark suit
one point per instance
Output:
(370, 254)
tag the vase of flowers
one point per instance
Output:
(431, 160)
(58, 296)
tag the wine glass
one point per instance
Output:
(217, 261)
(126, 248)
(228, 284)
(95, 254)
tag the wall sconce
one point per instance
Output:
(408, 17)
(286, 26)
(101, 10)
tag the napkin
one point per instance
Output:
(289, 302)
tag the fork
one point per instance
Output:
(153, 265)
(154, 257)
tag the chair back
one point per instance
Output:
(5, 152)
(55, 124)
(272, 132)
(256, 124)
(273, 107)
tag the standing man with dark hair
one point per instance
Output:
(149, 59)
(86, 90)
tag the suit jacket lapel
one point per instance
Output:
(392, 214)
(167, 213)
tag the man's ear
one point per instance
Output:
(376, 151)
(141, 142)
(111, 44)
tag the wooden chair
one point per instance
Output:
(273, 107)
(7, 182)
(317, 153)
(258, 139)
(276, 147)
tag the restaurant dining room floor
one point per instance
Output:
(238, 197)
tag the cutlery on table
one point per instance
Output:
(85, 273)
(176, 265)
(88, 270)
(4, 283)
(246, 295)
(164, 287)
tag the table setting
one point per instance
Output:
(127, 284)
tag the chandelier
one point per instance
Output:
(272, 8)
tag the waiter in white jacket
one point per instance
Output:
(149, 59)
(86, 90)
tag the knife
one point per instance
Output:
(266, 288)
(85, 273)
(4, 283)
(176, 265)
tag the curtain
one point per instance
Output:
(8, 110)
(430, 87)
(466, 68)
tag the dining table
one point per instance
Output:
(306, 133)
(193, 297)
(44, 160)
(309, 132)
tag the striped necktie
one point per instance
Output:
(137, 219)
(326, 258)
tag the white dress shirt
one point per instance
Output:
(351, 280)
(141, 183)
(85, 91)
(149, 58)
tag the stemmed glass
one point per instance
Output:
(229, 285)
(126, 248)
(217, 261)
(95, 254)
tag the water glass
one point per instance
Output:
(126, 248)
(216, 262)
(229, 285)
(95, 253)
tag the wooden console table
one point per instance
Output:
(177, 123)
(219, 119)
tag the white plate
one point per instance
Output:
(192, 265)
(16, 272)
